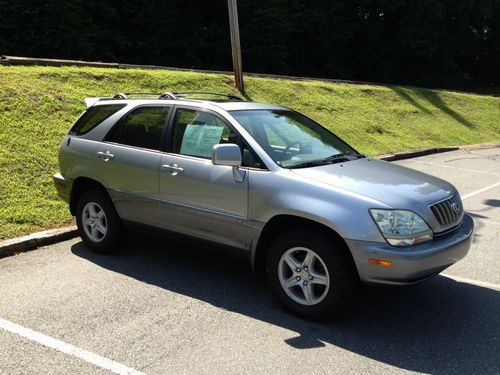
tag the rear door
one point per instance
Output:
(128, 160)
(198, 198)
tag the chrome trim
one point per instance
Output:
(447, 211)
(238, 218)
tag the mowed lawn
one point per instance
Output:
(39, 104)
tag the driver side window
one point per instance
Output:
(196, 132)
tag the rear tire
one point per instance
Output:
(311, 274)
(98, 223)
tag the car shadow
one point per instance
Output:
(492, 202)
(441, 326)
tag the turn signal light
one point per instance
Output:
(380, 262)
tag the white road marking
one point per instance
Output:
(61, 346)
(473, 282)
(480, 191)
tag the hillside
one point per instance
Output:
(38, 105)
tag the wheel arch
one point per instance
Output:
(281, 223)
(81, 185)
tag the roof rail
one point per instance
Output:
(126, 95)
(185, 94)
(168, 95)
(120, 95)
(172, 95)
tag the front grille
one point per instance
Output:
(448, 211)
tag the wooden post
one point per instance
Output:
(235, 44)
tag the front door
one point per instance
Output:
(198, 198)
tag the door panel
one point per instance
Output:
(131, 177)
(203, 200)
(198, 198)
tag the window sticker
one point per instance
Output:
(198, 140)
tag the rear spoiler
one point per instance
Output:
(89, 102)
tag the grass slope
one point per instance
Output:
(38, 105)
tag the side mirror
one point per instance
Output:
(229, 154)
(226, 154)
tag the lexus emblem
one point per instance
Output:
(455, 207)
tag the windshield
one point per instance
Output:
(292, 140)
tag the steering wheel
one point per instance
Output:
(287, 148)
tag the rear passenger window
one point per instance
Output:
(93, 116)
(142, 127)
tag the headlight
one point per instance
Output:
(401, 227)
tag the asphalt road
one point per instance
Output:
(160, 306)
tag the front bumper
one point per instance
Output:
(411, 264)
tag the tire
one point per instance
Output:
(324, 277)
(98, 223)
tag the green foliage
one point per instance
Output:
(447, 43)
(39, 104)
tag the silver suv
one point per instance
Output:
(266, 183)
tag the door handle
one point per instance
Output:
(174, 169)
(105, 155)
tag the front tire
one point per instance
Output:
(311, 274)
(98, 223)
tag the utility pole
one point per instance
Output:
(235, 44)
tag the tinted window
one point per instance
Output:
(196, 132)
(250, 159)
(93, 116)
(142, 127)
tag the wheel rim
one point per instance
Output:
(303, 276)
(94, 222)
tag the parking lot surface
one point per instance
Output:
(160, 306)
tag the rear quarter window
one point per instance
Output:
(93, 116)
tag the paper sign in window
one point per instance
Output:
(199, 140)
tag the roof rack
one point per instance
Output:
(168, 95)
(171, 95)
(123, 95)
(179, 95)
(90, 101)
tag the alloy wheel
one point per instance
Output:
(303, 276)
(94, 222)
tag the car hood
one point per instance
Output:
(394, 185)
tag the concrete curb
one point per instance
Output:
(35, 240)
(480, 146)
(428, 151)
(415, 153)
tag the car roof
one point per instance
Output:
(233, 104)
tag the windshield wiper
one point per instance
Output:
(332, 159)
(337, 158)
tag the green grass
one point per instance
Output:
(38, 105)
